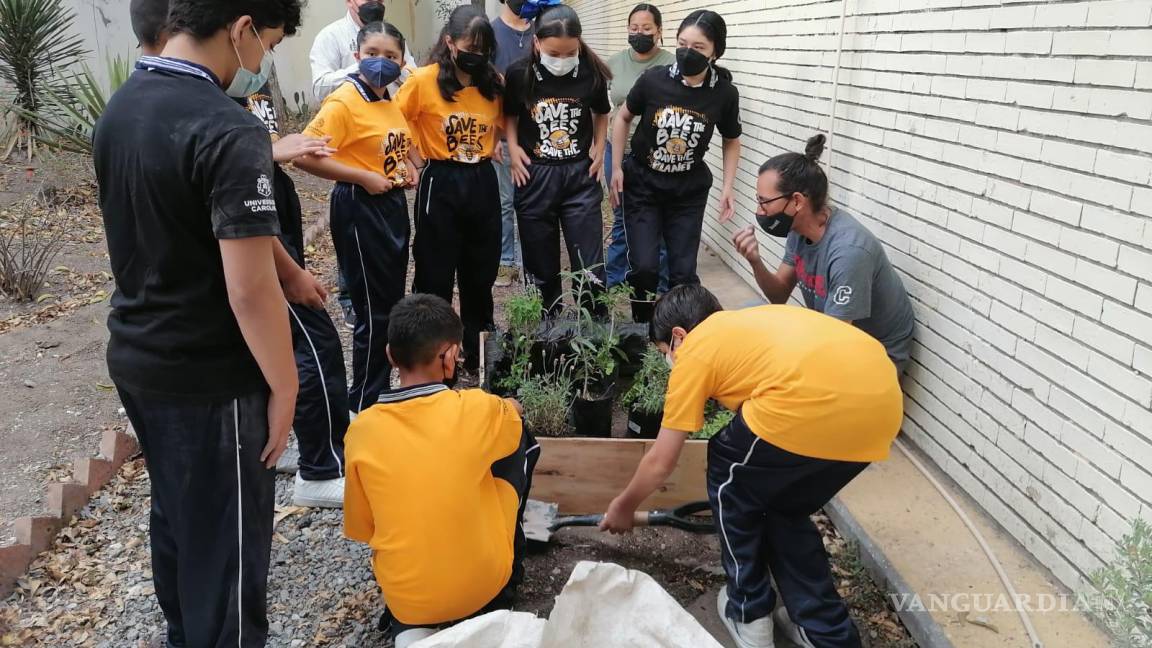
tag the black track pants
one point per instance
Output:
(371, 238)
(322, 403)
(560, 197)
(458, 234)
(657, 207)
(211, 522)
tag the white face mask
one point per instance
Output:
(671, 350)
(559, 66)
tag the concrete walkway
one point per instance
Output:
(915, 542)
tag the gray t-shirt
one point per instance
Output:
(847, 275)
(511, 45)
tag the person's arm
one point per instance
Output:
(256, 300)
(519, 159)
(619, 140)
(654, 469)
(330, 169)
(359, 524)
(850, 273)
(599, 137)
(776, 286)
(731, 161)
(300, 287)
(326, 58)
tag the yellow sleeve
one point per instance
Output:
(501, 429)
(331, 121)
(409, 100)
(689, 387)
(358, 521)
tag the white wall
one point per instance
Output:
(108, 31)
(1003, 153)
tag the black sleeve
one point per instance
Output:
(237, 169)
(601, 104)
(638, 95)
(729, 125)
(513, 90)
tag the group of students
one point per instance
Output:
(220, 342)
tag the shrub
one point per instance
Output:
(546, 400)
(68, 117)
(650, 384)
(27, 249)
(1124, 601)
(714, 423)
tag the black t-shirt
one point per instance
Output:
(676, 121)
(558, 127)
(288, 207)
(180, 165)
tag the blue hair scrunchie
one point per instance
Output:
(533, 8)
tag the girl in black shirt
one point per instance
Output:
(667, 185)
(556, 110)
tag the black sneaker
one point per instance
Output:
(349, 317)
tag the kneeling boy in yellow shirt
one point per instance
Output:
(437, 481)
(816, 400)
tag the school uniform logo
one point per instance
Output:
(464, 133)
(394, 149)
(842, 296)
(678, 133)
(264, 186)
(557, 120)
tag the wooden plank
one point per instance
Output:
(583, 475)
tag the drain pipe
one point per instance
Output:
(835, 85)
(1033, 638)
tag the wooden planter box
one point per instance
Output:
(582, 475)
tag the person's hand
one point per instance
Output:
(296, 145)
(413, 175)
(619, 518)
(746, 244)
(498, 154)
(303, 288)
(520, 162)
(375, 183)
(596, 169)
(727, 207)
(281, 410)
(616, 187)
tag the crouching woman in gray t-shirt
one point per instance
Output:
(841, 267)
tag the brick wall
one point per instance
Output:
(1003, 152)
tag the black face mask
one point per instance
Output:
(515, 6)
(778, 224)
(690, 61)
(471, 62)
(642, 43)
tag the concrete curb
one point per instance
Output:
(923, 628)
(35, 534)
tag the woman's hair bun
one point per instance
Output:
(370, 12)
(815, 147)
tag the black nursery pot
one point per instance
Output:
(642, 425)
(593, 418)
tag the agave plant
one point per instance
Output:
(37, 45)
(68, 116)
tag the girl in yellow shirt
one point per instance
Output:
(374, 163)
(454, 108)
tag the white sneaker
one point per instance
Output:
(408, 637)
(757, 634)
(326, 493)
(794, 632)
(289, 462)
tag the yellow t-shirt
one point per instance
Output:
(420, 492)
(463, 130)
(368, 132)
(804, 381)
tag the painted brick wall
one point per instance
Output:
(1003, 153)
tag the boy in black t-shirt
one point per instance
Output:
(200, 347)
(556, 107)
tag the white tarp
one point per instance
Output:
(602, 606)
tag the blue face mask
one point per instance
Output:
(379, 71)
(246, 82)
